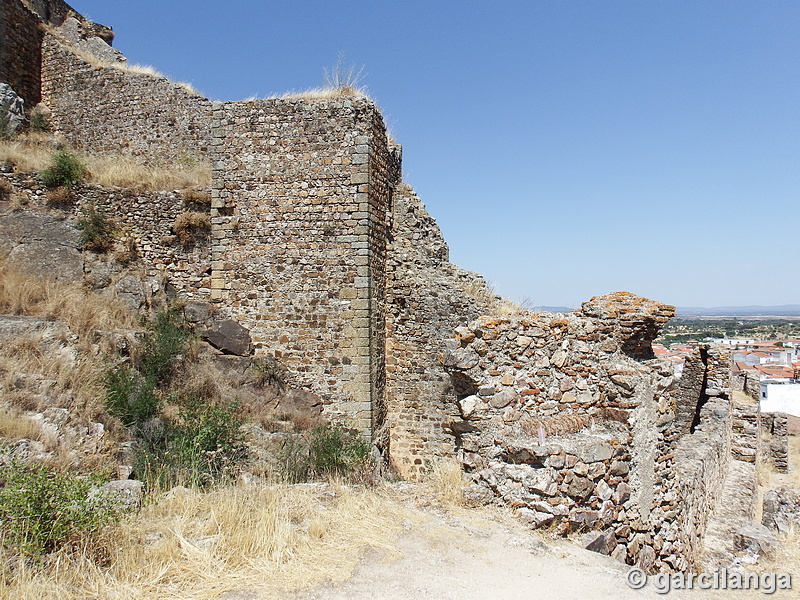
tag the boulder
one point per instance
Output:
(756, 538)
(601, 542)
(229, 337)
(12, 111)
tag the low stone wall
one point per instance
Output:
(557, 416)
(106, 110)
(775, 433)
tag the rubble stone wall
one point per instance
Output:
(427, 297)
(775, 432)
(300, 215)
(105, 109)
(145, 224)
(21, 51)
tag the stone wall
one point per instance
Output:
(105, 109)
(145, 223)
(21, 51)
(427, 298)
(557, 415)
(301, 201)
(775, 433)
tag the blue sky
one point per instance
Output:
(566, 148)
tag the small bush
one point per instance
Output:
(41, 509)
(130, 396)
(97, 230)
(203, 447)
(59, 197)
(189, 226)
(164, 344)
(268, 372)
(39, 122)
(65, 169)
(336, 451)
(197, 196)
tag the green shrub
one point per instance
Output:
(336, 450)
(203, 447)
(65, 169)
(97, 230)
(41, 509)
(165, 342)
(39, 122)
(130, 396)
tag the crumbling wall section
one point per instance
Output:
(427, 297)
(145, 232)
(21, 51)
(106, 110)
(557, 417)
(300, 208)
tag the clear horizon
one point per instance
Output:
(566, 149)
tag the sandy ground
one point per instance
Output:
(465, 556)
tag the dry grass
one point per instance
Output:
(33, 152)
(479, 290)
(128, 173)
(445, 477)
(189, 225)
(49, 356)
(194, 545)
(16, 426)
(197, 195)
(83, 311)
(326, 93)
(27, 153)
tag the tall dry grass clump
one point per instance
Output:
(445, 477)
(82, 310)
(128, 173)
(193, 545)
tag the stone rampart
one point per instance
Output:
(302, 194)
(105, 109)
(21, 51)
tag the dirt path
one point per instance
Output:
(469, 557)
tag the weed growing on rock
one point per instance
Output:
(97, 230)
(268, 372)
(189, 226)
(39, 123)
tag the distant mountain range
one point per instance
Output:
(784, 310)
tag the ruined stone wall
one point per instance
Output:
(426, 299)
(105, 109)
(300, 215)
(557, 417)
(52, 12)
(20, 51)
(145, 225)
